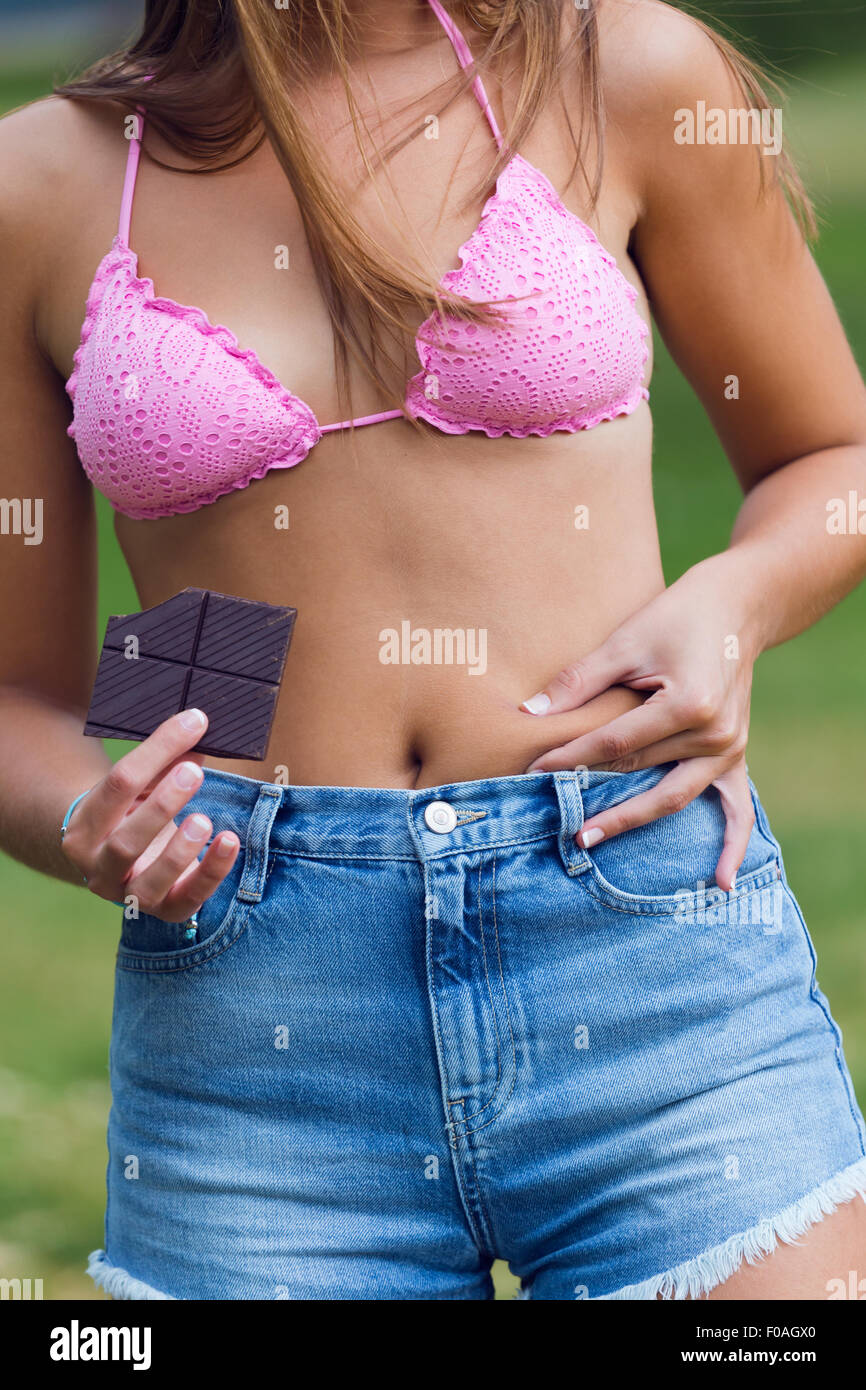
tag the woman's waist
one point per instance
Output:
(427, 733)
(408, 675)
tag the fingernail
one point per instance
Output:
(227, 844)
(733, 882)
(192, 719)
(588, 838)
(188, 775)
(196, 828)
(538, 704)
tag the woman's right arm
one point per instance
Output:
(122, 836)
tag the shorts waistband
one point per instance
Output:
(396, 823)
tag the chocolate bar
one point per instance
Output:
(199, 649)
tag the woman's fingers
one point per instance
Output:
(128, 841)
(198, 883)
(673, 793)
(185, 757)
(153, 884)
(581, 681)
(127, 823)
(692, 744)
(619, 741)
(733, 788)
(107, 803)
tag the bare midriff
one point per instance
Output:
(439, 582)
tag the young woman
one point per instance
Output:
(494, 955)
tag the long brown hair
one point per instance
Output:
(212, 76)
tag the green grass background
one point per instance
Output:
(807, 755)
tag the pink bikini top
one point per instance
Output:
(170, 413)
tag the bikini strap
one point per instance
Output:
(129, 181)
(465, 59)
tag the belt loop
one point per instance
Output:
(575, 859)
(255, 873)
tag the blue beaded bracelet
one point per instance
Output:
(65, 823)
(65, 826)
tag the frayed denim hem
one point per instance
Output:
(117, 1282)
(692, 1280)
(697, 1277)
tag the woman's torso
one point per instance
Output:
(528, 552)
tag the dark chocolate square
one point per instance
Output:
(219, 653)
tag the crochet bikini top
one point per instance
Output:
(170, 413)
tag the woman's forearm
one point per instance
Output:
(44, 763)
(796, 549)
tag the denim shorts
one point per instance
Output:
(417, 1031)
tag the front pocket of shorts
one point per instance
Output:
(151, 944)
(669, 865)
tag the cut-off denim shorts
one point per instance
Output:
(417, 1031)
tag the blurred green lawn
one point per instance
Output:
(807, 756)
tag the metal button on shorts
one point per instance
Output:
(440, 817)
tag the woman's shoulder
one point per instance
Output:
(55, 156)
(657, 65)
(654, 58)
(61, 170)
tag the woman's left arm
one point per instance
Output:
(744, 311)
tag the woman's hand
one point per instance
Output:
(685, 646)
(123, 839)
